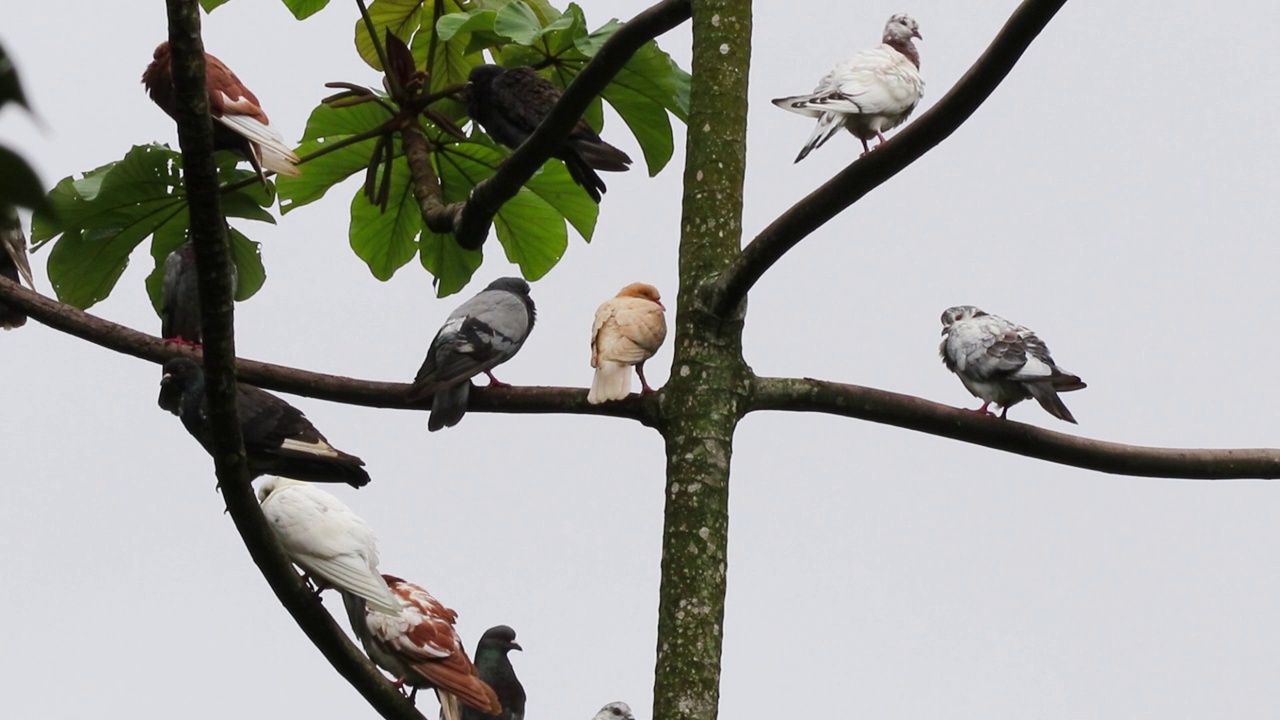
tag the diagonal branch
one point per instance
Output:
(872, 170)
(334, 388)
(489, 196)
(914, 413)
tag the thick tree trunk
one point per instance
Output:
(710, 383)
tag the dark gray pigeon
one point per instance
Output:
(495, 669)
(1002, 362)
(13, 264)
(180, 297)
(511, 103)
(278, 439)
(481, 334)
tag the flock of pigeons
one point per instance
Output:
(402, 627)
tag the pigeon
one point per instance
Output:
(615, 711)
(240, 124)
(510, 103)
(180, 297)
(495, 669)
(421, 648)
(13, 263)
(1002, 362)
(278, 438)
(481, 334)
(628, 330)
(871, 92)
(332, 544)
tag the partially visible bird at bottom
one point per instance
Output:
(495, 669)
(482, 333)
(628, 329)
(421, 649)
(326, 539)
(510, 103)
(615, 711)
(1003, 363)
(13, 263)
(278, 438)
(180, 297)
(873, 91)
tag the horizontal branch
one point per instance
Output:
(914, 413)
(322, 386)
(490, 195)
(872, 170)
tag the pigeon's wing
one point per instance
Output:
(524, 97)
(631, 333)
(880, 81)
(236, 107)
(985, 348)
(482, 333)
(180, 297)
(330, 541)
(15, 244)
(269, 422)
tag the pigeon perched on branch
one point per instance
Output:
(180, 297)
(278, 439)
(510, 103)
(421, 648)
(871, 92)
(1002, 362)
(13, 263)
(325, 538)
(481, 334)
(240, 125)
(628, 329)
(495, 669)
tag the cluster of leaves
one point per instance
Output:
(18, 182)
(100, 218)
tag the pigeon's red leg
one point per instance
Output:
(865, 147)
(495, 382)
(644, 384)
(882, 138)
(984, 411)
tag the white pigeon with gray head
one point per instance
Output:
(325, 538)
(615, 711)
(869, 93)
(484, 332)
(1002, 362)
(13, 263)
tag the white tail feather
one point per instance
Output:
(612, 381)
(273, 153)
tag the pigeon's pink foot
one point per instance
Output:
(181, 342)
(495, 382)
(982, 410)
(644, 384)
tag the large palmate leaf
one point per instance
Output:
(326, 127)
(99, 219)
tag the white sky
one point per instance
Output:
(1117, 194)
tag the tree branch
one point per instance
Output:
(914, 413)
(322, 386)
(488, 197)
(869, 172)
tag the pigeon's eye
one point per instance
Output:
(616, 712)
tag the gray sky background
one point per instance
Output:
(1117, 194)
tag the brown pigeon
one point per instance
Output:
(628, 330)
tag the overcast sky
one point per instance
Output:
(1117, 194)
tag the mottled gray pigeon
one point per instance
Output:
(481, 334)
(278, 439)
(511, 103)
(615, 711)
(873, 91)
(495, 669)
(1002, 362)
(421, 648)
(180, 297)
(13, 263)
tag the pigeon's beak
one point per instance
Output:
(164, 379)
(916, 34)
(664, 307)
(516, 646)
(945, 329)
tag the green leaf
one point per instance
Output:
(451, 265)
(453, 58)
(474, 28)
(326, 126)
(518, 22)
(303, 9)
(387, 240)
(211, 5)
(402, 17)
(247, 256)
(19, 184)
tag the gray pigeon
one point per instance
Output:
(180, 297)
(13, 263)
(615, 711)
(1002, 362)
(481, 334)
(510, 103)
(873, 91)
(495, 669)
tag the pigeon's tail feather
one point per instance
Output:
(268, 148)
(1066, 382)
(10, 316)
(449, 709)
(612, 381)
(828, 124)
(338, 468)
(601, 155)
(459, 684)
(1045, 394)
(582, 174)
(354, 576)
(355, 606)
(448, 406)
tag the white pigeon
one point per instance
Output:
(628, 329)
(871, 92)
(615, 711)
(1002, 362)
(331, 543)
